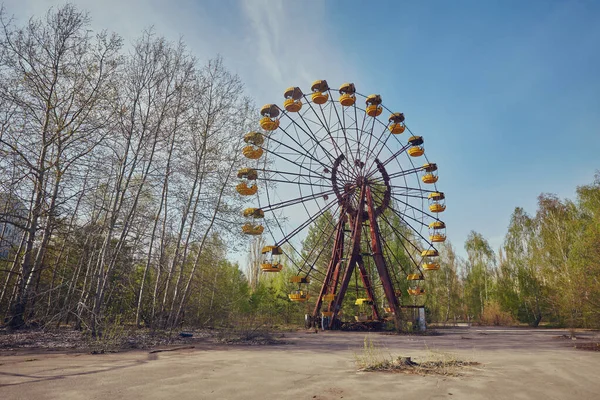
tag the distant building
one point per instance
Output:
(11, 209)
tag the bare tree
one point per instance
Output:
(57, 79)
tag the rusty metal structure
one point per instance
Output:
(350, 178)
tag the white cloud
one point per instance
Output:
(271, 44)
(293, 46)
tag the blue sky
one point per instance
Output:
(506, 94)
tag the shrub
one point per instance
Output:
(495, 316)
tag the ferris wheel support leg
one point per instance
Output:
(367, 284)
(384, 274)
(352, 258)
(338, 250)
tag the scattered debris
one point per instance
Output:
(252, 338)
(571, 337)
(173, 349)
(67, 339)
(595, 346)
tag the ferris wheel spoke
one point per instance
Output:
(416, 209)
(408, 224)
(320, 208)
(354, 170)
(391, 255)
(311, 134)
(342, 123)
(403, 216)
(295, 163)
(290, 245)
(404, 239)
(326, 127)
(291, 182)
(410, 189)
(306, 223)
(295, 151)
(283, 173)
(394, 156)
(403, 236)
(318, 142)
(384, 143)
(302, 269)
(406, 172)
(323, 248)
(305, 151)
(412, 196)
(298, 200)
(369, 150)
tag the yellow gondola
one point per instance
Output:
(254, 138)
(436, 202)
(396, 123)
(269, 121)
(437, 232)
(437, 208)
(430, 176)
(428, 263)
(274, 250)
(269, 124)
(300, 279)
(416, 149)
(437, 238)
(271, 267)
(416, 292)
(374, 108)
(254, 213)
(363, 304)
(318, 87)
(247, 173)
(329, 297)
(347, 94)
(292, 101)
(252, 153)
(244, 190)
(430, 253)
(299, 296)
(431, 266)
(414, 277)
(251, 229)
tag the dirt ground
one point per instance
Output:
(516, 364)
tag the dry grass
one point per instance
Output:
(433, 362)
(493, 315)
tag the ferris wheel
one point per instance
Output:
(337, 157)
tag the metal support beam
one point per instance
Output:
(352, 257)
(336, 255)
(384, 274)
(369, 288)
